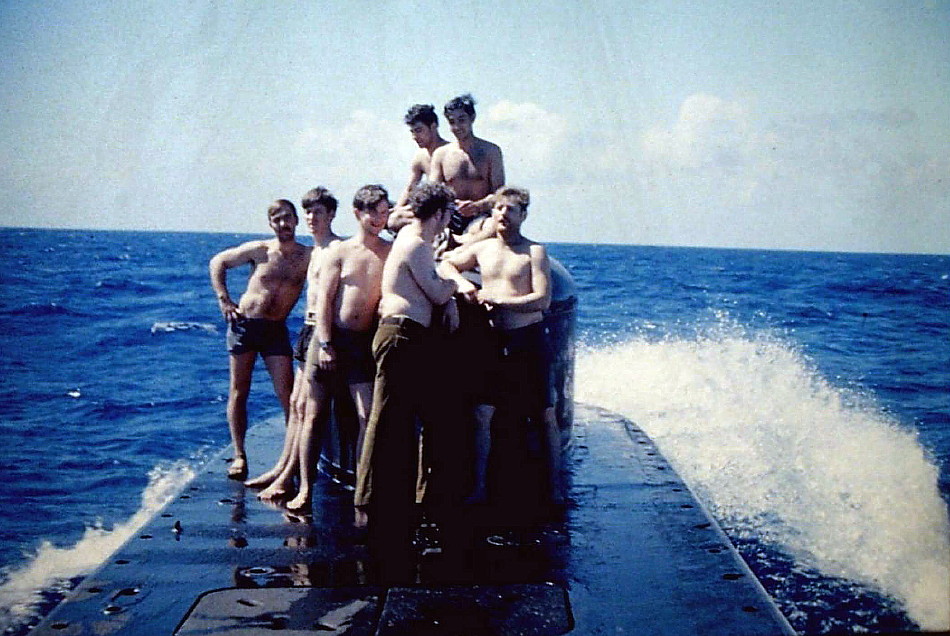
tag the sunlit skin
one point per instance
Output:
(278, 271)
(516, 286)
(348, 294)
(428, 139)
(472, 167)
(279, 479)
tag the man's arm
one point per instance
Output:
(328, 285)
(539, 298)
(218, 269)
(461, 260)
(436, 174)
(402, 213)
(422, 268)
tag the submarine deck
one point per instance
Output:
(634, 552)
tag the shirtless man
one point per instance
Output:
(319, 211)
(424, 126)
(471, 166)
(348, 293)
(516, 287)
(257, 323)
(406, 370)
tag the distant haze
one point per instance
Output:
(729, 124)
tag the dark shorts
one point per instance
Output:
(302, 346)
(519, 377)
(354, 357)
(266, 337)
(474, 346)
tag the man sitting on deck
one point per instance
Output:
(257, 324)
(472, 167)
(424, 126)
(516, 288)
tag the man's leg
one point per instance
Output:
(281, 369)
(298, 401)
(483, 417)
(309, 441)
(241, 368)
(362, 394)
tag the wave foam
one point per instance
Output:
(820, 471)
(52, 567)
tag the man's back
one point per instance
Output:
(401, 293)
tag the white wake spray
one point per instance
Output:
(772, 447)
(52, 567)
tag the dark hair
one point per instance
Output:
(422, 113)
(319, 196)
(466, 102)
(280, 205)
(369, 197)
(429, 198)
(518, 194)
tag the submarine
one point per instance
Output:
(633, 551)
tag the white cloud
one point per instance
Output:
(365, 148)
(858, 180)
(533, 141)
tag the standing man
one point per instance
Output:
(406, 373)
(257, 323)
(341, 345)
(424, 126)
(471, 166)
(516, 287)
(319, 211)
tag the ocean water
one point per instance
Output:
(803, 396)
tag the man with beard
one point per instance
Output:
(257, 323)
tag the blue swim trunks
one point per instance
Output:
(266, 337)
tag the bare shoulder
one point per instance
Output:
(420, 160)
(537, 250)
(440, 152)
(492, 149)
(253, 250)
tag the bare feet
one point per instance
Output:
(262, 481)
(299, 503)
(238, 467)
(277, 490)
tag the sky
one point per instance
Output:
(803, 125)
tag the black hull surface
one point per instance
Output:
(634, 553)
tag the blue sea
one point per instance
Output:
(802, 396)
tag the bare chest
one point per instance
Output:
(278, 269)
(363, 268)
(506, 268)
(466, 166)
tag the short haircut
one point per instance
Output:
(281, 205)
(466, 102)
(422, 113)
(429, 198)
(319, 196)
(369, 196)
(518, 194)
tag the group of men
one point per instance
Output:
(377, 312)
